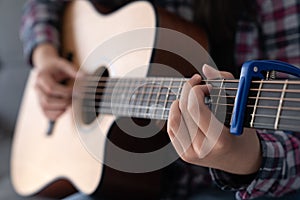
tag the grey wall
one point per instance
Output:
(13, 69)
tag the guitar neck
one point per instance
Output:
(272, 104)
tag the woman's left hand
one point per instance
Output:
(200, 138)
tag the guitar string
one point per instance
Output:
(142, 95)
(97, 95)
(109, 104)
(112, 91)
(164, 116)
(180, 79)
(142, 111)
(107, 99)
(126, 109)
(142, 80)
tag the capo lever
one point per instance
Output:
(253, 69)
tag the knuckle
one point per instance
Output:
(220, 145)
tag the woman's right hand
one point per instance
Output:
(54, 97)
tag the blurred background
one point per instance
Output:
(13, 75)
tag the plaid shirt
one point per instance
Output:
(276, 35)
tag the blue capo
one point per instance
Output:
(253, 69)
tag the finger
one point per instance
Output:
(177, 128)
(176, 144)
(50, 87)
(212, 73)
(183, 103)
(52, 103)
(67, 67)
(53, 115)
(188, 154)
(201, 115)
(52, 107)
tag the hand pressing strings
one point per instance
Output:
(200, 138)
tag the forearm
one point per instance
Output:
(43, 52)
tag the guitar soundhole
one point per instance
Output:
(94, 90)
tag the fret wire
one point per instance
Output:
(167, 96)
(126, 94)
(148, 100)
(179, 90)
(123, 86)
(218, 99)
(132, 95)
(135, 95)
(158, 95)
(280, 106)
(143, 95)
(255, 105)
(116, 94)
(118, 99)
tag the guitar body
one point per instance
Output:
(74, 151)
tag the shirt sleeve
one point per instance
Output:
(280, 36)
(280, 170)
(278, 175)
(40, 24)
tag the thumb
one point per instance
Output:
(67, 67)
(212, 73)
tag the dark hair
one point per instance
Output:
(219, 18)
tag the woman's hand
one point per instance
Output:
(52, 70)
(200, 138)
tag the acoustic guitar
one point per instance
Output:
(109, 142)
(40, 160)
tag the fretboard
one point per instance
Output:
(272, 104)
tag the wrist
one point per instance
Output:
(248, 153)
(42, 53)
